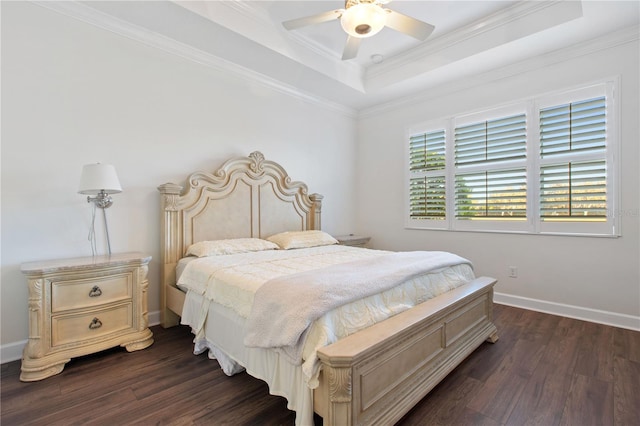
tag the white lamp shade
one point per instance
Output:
(363, 20)
(99, 177)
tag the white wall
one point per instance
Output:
(74, 94)
(595, 278)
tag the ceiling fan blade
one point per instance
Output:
(351, 48)
(408, 25)
(312, 20)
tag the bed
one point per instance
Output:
(370, 376)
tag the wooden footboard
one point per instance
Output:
(378, 374)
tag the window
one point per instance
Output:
(490, 169)
(427, 189)
(545, 165)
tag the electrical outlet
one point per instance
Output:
(513, 271)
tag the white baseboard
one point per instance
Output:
(577, 312)
(13, 351)
(154, 318)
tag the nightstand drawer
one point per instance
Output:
(88, 292)
(97, 323)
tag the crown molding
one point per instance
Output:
(103, 20)
(257, 15)
(510, 20)
(150, 38)
(626, 35)
(252, 22)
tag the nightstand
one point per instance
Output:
(84, 305)
(353, 240)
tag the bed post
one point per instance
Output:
(339, 407)
(171, 248)
(316, 211)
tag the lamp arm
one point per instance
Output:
(102, 200)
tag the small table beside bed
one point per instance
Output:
(358, 336)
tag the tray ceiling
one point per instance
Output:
(470, 38)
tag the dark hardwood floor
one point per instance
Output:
(544, 370)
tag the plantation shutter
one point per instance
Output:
(489, 191)
(573, 128)
(573, 190)
(495, 140)
(426, 151)
(427, 164)
(496, 194)
(427, 198)
(573, 171)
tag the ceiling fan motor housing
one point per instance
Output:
(349, 3)
(362, 18)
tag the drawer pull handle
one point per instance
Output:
(95, 323)
(95, 291)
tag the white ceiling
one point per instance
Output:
(470, 37)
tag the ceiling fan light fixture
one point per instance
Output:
(363, 20)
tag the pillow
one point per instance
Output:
(229, 246)
(302, 239)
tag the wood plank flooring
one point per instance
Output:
(544, 370)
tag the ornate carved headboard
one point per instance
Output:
(246, 197)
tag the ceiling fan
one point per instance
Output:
(364, 18)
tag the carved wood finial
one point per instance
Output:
(170, 193)
(257, 159)
(170, 188)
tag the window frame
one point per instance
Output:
(610, 226)
(429, 127)
(491, 224)
(533, 223)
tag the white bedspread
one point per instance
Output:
(284, 308)
(233, 280)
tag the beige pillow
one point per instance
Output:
(229, 246)
(302, 239)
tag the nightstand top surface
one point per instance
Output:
(57, 265)
(350, 237)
